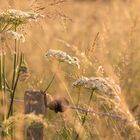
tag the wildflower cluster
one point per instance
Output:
(18, 17)
(98, 83)
(63, 57)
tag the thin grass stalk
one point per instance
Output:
(78, 98)
(15, 62)
(77, 103)
(66, 127)
(4, 87)
(113, 121)
(90, 98)
(4, 28)
(85, 116)
(1, 71)
(18, 51)
(65, 86)
(14, 71)
(1, 84)
(128, 127)
(51, 81)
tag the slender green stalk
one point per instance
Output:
(14, 69)
(53, 77)
(1, 84)
(14, 88)
(4, 87)
(2, 81)
(84, 119)
(1, 71)
(78, 98)
(15, 63)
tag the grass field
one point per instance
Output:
(85, 54)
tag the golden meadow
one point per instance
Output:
(84, 55)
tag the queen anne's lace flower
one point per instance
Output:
(63, 57)
(17, 17)
(100, 84)
(80, 82)
(15, 35)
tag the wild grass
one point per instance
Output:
(83, 56)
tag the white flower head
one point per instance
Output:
(62, 57)
(98, 83)
(80, 82)
(17, 17)
(15, 35)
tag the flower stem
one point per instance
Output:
(14, 88)
(53, 77)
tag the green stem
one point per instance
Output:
(53, 77)
(15, 63)
(4, 87)
(1, 71)
(14, 71)
(14, 89)
(84, 119)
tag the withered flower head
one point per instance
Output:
(58, 104)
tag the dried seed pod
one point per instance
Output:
(23, 72)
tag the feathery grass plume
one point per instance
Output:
(29, 119)
(18, 17)
(123, 120)
(63, 57)
(100, 84)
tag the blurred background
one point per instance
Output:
(103, 34)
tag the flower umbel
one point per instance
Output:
(15, 35)
(17, 17)
(100, 84)
(63, 57)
